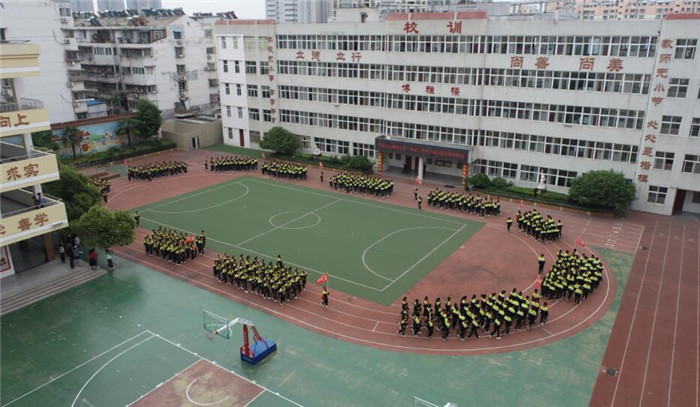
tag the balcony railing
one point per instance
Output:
(23, 104)
(32, 154)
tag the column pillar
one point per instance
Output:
(420, 168)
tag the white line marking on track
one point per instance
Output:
(77, 367)
(675, 323)
(656, 311)
(187, 393)
(105, 365)
(634, 315)
(375, 326)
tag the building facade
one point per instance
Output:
(160, 56)
(298, 11)
(64, 98)
(82, 5)
(113, 5)
(531, 101)
(26, 218)
(628, 9)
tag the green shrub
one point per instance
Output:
(360, 162)
(499, 183)
(118, 153)
(479, 181)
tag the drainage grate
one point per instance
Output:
(611, 372)
(645, 248)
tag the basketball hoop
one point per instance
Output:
(212, 335)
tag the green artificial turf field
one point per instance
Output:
(370, 249)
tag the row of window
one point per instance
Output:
(548, 145)
(522, 78)
(658, 194)
(528, 173)
(622, 46)
(664, 161)
(583, 115)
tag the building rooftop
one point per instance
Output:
(128, 18)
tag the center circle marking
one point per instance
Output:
(283, 225)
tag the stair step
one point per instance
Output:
(39, 293)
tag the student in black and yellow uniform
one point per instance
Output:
(232, 163)
(284, 170)
(544, 229)
(361, 184)
(156, 170)
(464, 203)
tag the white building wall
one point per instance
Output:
(52, 86)
(232, 80)
(680, 144)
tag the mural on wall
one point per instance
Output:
(95, 137)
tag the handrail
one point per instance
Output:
(34, 153)
(23, 104)
(49, 202)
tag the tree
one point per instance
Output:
(128, 128)
(99, 227)
(360, 162)
(44, 139)
(71, 137)
(75, 190)
(479, 181)
(147, 119)
(603, 189)
(281, 141)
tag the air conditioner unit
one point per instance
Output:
(70, 85)
(64, 20)
(66, 40)
(154, 91)
(76, 104)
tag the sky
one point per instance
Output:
(243, 8)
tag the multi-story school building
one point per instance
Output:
(458, 93)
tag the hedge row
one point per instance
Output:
(118, 153)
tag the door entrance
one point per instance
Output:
(408, 162)
(678, 202)
(241, 135)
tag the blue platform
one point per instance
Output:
(261, 350)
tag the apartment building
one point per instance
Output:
(628, 9)
(298, 11)
(25, 223)
(82, 5)
(64, 98)
(458, 93)
(160, 56)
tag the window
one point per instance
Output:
(254, 114)
(267, 116)
(663, 161)
(252, 91)
(264, 68)
(366, 150)
(250, 67)
(691, 164)
(240, 112)
(677, 87)
(239, 90)
(237, 66)
(235, 42)
(696, 197)
(177, 35)
(230, 133)
(695, 127)
(225, 66)
(685, 48)
(227, 88)
(670, 125)
(657, 195)
(228, 111)
(223, 42)
(255, 135)
(208, 33)
(306, 142)
(265, 91)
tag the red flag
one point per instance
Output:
(580, 241)
(522, 203)
(538, 283)
(419, 181)
(323, 279)
(320, 164)
(190, 239)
